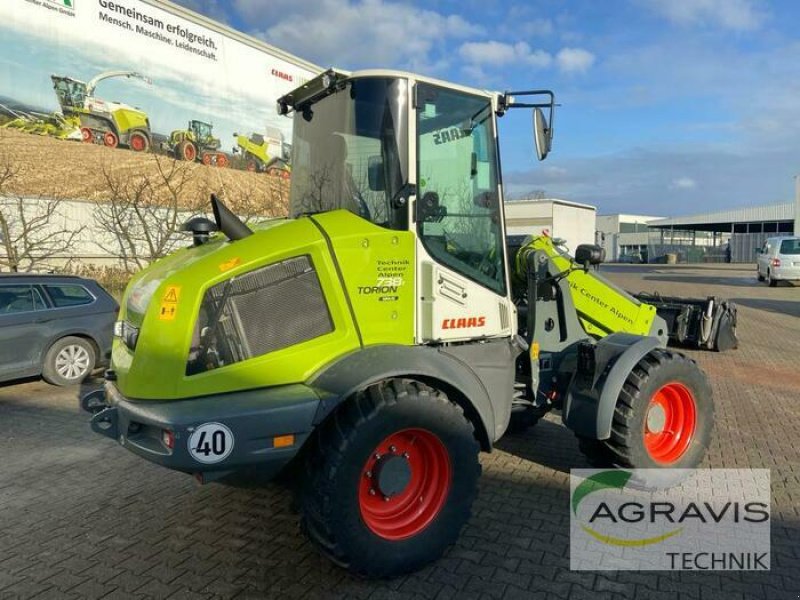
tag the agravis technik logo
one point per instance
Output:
(658, 519)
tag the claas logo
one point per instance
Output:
(464, 323)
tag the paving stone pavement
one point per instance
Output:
(83, 518)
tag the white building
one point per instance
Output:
(570, 221)
(623, 235)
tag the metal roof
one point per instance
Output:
(748, 214)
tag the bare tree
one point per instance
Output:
(141, 214)
(33, 231)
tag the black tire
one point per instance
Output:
(332, 495)
(626, 446)
(772, 282)
(69, 361)
(759, 275)
(523, 417)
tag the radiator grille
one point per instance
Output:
(263, 311)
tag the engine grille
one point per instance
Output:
(268, 309)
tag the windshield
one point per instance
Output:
(350, 151)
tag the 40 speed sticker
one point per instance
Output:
(210, 443)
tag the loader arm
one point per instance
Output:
(108, 74)
(602, 307)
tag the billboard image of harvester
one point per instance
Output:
(143, 76)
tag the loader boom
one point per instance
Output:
(602, 307)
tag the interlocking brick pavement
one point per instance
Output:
(83, 518)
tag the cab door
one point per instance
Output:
(23, 332)
(459, 218)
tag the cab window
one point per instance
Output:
(458, 206)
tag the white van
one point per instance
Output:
(779, 260)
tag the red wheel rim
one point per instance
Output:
(251, 166)
(396, 514)
(110, 139)
(206, 159)
(188, 153)
(670, 423)
(222, 161)
(138, 143)
(86, 135)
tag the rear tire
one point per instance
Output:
(663, 418)
(69, 360)
(772, 282)
(397, 439)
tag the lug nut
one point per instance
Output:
(372, 491)
(405, 454)
(386, 498)
(392, 449)
(368, 474)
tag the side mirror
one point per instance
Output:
(589, 254)
(542, 134)
(375, 176)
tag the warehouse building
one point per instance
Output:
(624, 237)
(732, 234)
(573, 222)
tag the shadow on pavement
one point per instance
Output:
(786, 307)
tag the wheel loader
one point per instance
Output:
(196, 142)
(109, 123)
(265, 153)
(371, 343)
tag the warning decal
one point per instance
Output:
(169, 303)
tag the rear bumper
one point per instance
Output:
(786, 273)
(253, 419)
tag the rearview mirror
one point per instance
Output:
(377, 181)
(542, 134)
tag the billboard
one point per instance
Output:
(90, 89)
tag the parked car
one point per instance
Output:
(779, 260)
(56, 326)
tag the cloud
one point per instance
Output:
(736, 15)
(639, 180)
(683, 183)
(499, 53)
(574, 60)
(362, 33)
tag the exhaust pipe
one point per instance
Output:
(227, 222)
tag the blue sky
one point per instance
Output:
(669, 106)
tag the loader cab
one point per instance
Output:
(412, 154)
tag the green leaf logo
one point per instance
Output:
(615, 479)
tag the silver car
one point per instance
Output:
(779, 260)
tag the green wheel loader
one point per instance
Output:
(373, 338)
(109, 123)
(196, 143)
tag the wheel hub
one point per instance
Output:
(656, 419)
(392, 474)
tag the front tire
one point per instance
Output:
(391, 479)
(70, 360)
(663, 418)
